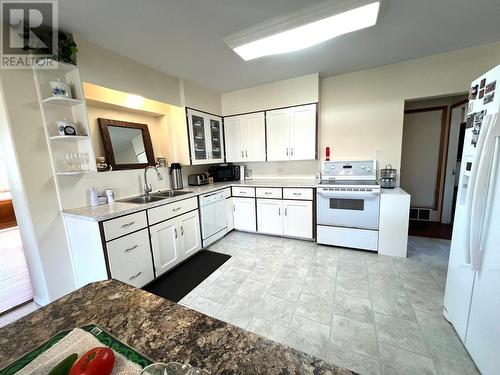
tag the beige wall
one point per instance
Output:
(294, 91)
(109, 69)
(199, 97)
(363, 111)
(33, 188)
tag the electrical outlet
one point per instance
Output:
(378, 153)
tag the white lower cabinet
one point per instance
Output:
(283, 217)
(190, 236)
(298, 219)
(244, 216)
(269, 216)
(174, 240)
(165, 245)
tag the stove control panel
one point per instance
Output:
(349, 170)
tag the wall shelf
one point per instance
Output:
(63, 101)
(55, 108)
(73, 173)
(69, 138)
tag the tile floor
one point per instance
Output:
(372, 314)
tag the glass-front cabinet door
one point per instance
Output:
(216, 140)
(199, 140)
(205, 137)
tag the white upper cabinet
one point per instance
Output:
(291, 133)
(303, 132)
(278, 135)
(245, 137)
(232, 132)
(206, 137)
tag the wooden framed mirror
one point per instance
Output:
(127, 144)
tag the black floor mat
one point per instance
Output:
(178, 282)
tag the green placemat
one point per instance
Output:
(104, 337)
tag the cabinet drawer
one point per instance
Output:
(137, 274)
(129, 248)
(268, 193)
(302, 194)
(243, 191)
(124, 225)
(157, 214)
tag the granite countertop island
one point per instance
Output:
(161, 330)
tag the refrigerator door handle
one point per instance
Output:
(470, 191)
(480, 193)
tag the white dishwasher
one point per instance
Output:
(213, 216)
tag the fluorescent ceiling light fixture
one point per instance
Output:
(304, 29)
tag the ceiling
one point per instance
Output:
(184, 37)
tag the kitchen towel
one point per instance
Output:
(77, 341)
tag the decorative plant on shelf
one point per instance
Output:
(66, 48)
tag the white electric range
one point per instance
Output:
(348, 204)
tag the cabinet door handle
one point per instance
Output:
(131, 248)
(128, 224)
(279, 211)
(176, 209)
(242, 153)
(286, 213)
(297, 194)
(287, 151)
(246, 153)
(267, 193)
(175, 232)
(135, 276)
(234, 208)
(182, 231)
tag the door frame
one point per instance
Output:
(448, 172)
(444, 114)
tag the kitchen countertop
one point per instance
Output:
(115, 209)
(395, 191)
(161, 330)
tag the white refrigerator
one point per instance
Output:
(472, 297)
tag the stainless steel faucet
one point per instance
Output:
(147, 187)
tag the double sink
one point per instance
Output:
(154, 197)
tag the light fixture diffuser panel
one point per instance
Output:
(337, 22)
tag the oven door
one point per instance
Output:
(353, 209)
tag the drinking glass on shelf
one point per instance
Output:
(76, 161)
(68, 159)
(83, 158)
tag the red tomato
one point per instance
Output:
(97, 361)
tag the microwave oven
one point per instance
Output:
(226, 172)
